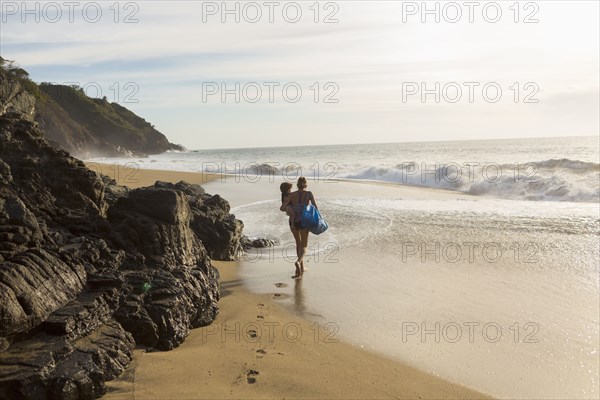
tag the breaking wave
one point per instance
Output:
(548, 180)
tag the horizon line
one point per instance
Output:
(401, 142)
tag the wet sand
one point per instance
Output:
(256, 349)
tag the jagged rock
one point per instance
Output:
(82, 315)
(52, 367)
(89, 268)
(219, 231)
(35, 283)
(5, 173)
(113, 191)
(154, 224)
(257, 243)
(162, 307)
(15, 100)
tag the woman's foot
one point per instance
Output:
(298, 270)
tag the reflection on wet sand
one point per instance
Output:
(299, 297)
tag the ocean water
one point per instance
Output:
(490, 280)
(554, 169)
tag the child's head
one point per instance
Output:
(285, 187)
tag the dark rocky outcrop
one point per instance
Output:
(257, 243)
(89, 269)
(218, 230)
(52, 367)
(15, 99)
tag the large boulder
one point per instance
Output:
(219, 231)
(180, 290)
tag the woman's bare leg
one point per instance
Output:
(298, 239)
(304, 244)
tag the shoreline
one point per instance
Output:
(259, 349)
(129, 174)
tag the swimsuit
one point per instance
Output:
(297, 223)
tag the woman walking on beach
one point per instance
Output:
(298, 200)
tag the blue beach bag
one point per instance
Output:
(312, 220)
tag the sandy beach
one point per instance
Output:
(130, 174)
(256, 348)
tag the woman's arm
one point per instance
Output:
(312, 200)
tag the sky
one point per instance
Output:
(315, 73)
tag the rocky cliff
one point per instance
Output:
(88, 127)
(85, 127)
(90, 269)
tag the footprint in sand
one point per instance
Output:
(280, 296)
(280, 284)
(261, 307)
(250, 376)
(251, 333)
(261, 351)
